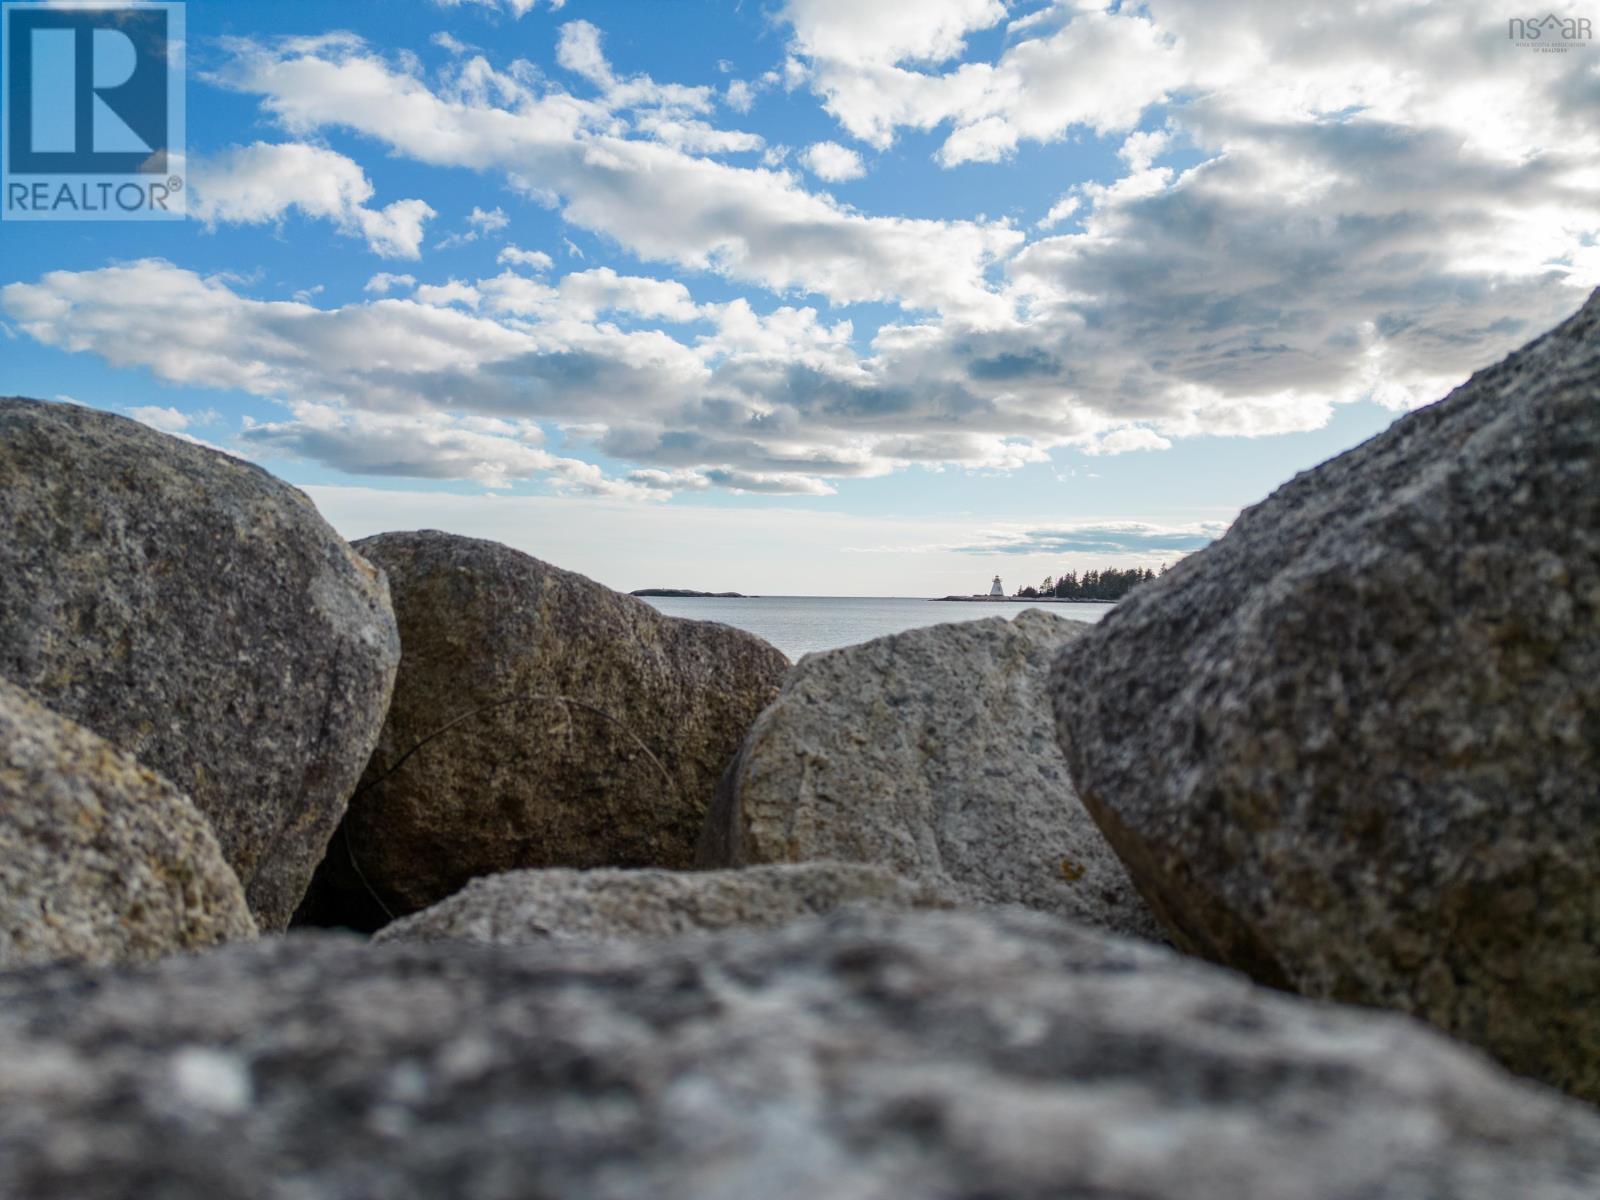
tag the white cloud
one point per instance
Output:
(1143, 147)
(395, 231)
(480, 223)
(1060, 211)
(779, 400)
(167, 420)
(578, 49)
(579, 52)
(516, 8)
(601, 289)
(1081, 66)
(1311, 224)
(451, 44)
(494, 454)
(666, 113)
(782, 483)
(989, 140)
(454, 292)
(488, 222)
(383, 282)
(1101, 70)
(253, 184)
(1132, 437)
(695, 136)
(855, 32)
(750, 224)
(537, 260)
(833, 162)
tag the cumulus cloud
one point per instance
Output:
(488, 221)
(849, 31)
(662, 203)
(251, 185)
(536, 260)
(1322, 212)
(493, 453)
(579, 52)
(753, 401)
(1083, 67)
(383, 283)
(588, 293)
(780, 400)
(453, 292)
(833, 162)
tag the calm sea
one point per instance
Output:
(799, 624)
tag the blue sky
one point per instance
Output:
(821, 296)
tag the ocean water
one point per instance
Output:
(800, 624)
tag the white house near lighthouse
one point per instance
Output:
(995, 588)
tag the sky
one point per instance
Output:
(832, 297)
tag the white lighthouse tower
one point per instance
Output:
(995, 589)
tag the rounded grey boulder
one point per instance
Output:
(200, 615)
(931, 753)
(864, 1056)
(1353, 747)
(576, 727)
(101, 860)
(607, 904)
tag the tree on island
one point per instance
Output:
(1107, 584)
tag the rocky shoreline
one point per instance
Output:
(1276, 883)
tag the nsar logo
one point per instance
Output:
(93, 121)
(1550, 33)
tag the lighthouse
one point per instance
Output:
(995, 589)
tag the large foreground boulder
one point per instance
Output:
(198, 614)
(607, 904)
(931, 753)
(865, 1056)
(101, 860)
(1353, 747)
(585, 729)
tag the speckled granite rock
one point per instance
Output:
(1354, 746)
(101, 860)
(199, 614)
(608, 904)
(866, 1056)
(535, 783)
(931, 753)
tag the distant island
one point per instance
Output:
(1093, 587)
(689, 592)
